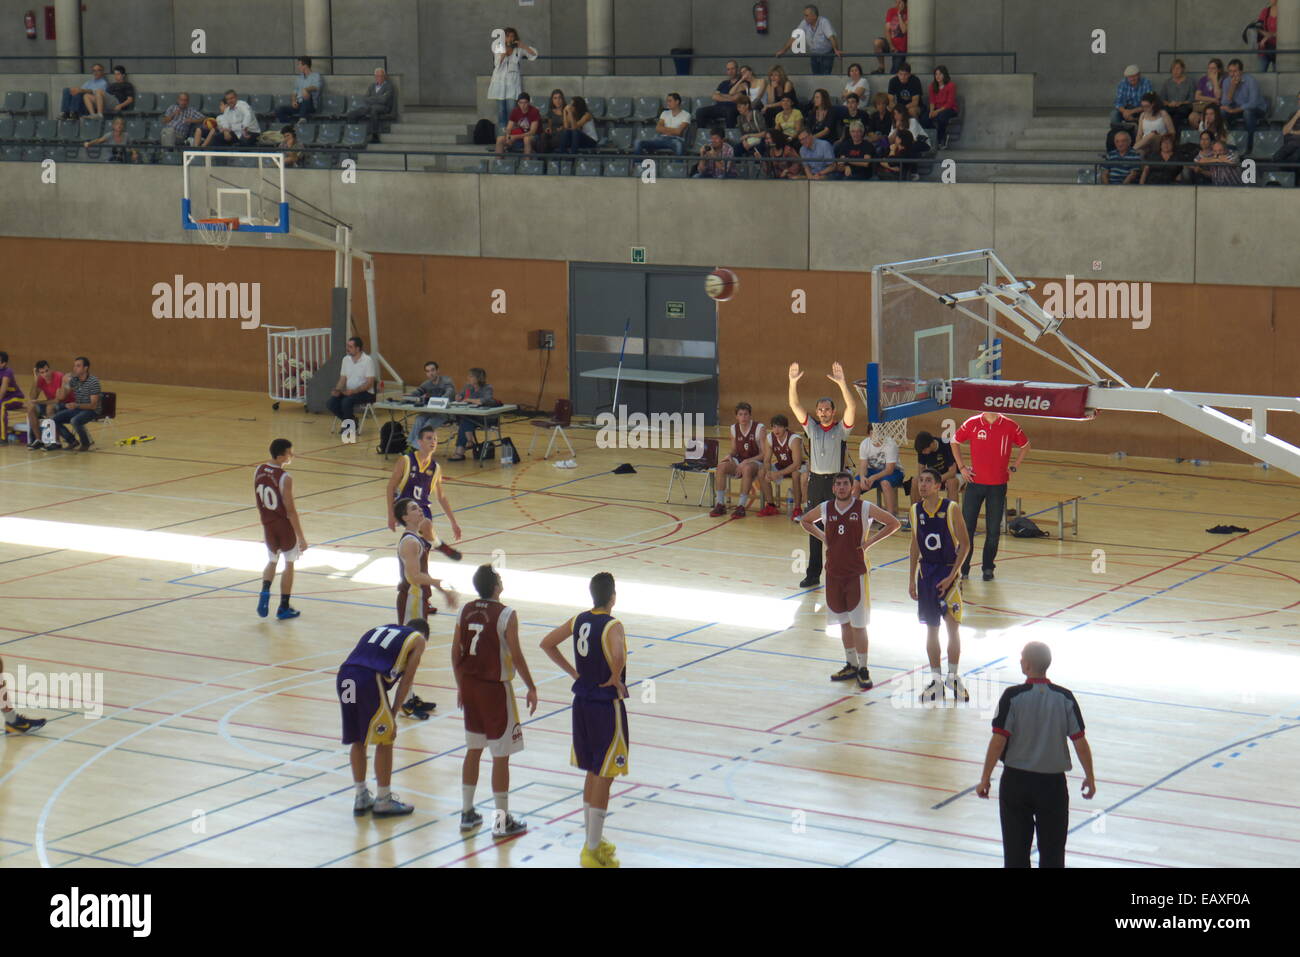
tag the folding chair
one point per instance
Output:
(706, 466)
(556, 425)
(367, 411)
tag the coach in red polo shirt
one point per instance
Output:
(991, 436)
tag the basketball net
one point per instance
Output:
(217, 232)
(897, 428)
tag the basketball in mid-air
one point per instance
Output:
(721, 284)
(209, 124)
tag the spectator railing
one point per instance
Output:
(241, 62)
(721, 58)
(1226, 54)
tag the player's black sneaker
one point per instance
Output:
(988, 574)
(846, 673)
(414, 707)
(810, 581)
(21, 725)
(450, 552)
(470, 819)
(510, 827)
(864, 680)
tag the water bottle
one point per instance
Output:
(508, 455)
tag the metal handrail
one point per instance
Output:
(740, 57)
(192, 58)
(1236, 52)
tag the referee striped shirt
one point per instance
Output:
(1036, 718)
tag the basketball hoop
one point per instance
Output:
(217, 232)
(895, 392)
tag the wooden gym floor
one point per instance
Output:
(218, 744)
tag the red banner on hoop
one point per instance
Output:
(1022, 398)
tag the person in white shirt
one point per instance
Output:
(357, 377)
(856, 83)
(506, 84)
(819, 40)
(671, 129)
(878, 466)
(236, 126)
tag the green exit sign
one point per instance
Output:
(676, 309)
(638, 255)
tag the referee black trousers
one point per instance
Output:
(1028, 801)
(972, 500)
(819, 491)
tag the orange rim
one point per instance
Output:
(232, 223)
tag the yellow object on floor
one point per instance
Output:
(135, 440)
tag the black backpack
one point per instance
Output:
(1022, 527)
(392, 439)
(485, 133)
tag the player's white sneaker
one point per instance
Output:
(958, 689)
(933, 691)
(363, 803)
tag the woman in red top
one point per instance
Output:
(1268, 37)
(43, 404)
(896, 31)
(943, 105)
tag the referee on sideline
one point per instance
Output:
(826, 438)
(1029, 733)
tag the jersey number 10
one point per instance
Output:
(270, 501)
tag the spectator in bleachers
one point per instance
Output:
(752, 87)
(434, 386)
(783, 157)
(116, 140)
(818, 157)
(79, 405)
(1152, 124)
(358, 375)
(1128, 96)
(670, 130)
(523, 128)
(851, 112)
(11, 400)
(78, 99)
(856, 84)
(902, 146)
(879, 121)
(1209, 89)
(305, 99)
(42, 403)
(1242, 100)
(751, 125)
(1223, 165)
(820, 42)
(1289, 151)
(1268, 37)
(379, 100)
(855, 153)
(896, 33)
(943, 106)
(1162, 175)
(902, 120)
(505, 85)
(476, 392)
(117, 97)
(716, 157)
(723, 109)
(553, 122)
(778, 84)
(236, 126)
(579, 128)
(289, 147)
(1125, 159)
(788, 120)
(905, 90)
(823, 120)
(1212, 120)
(1199, 174)
(180, 121)
(1177, 92)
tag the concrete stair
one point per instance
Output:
(1061, 131)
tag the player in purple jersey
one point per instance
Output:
(416, 476)
(600, 735)
(384, 656)
(940, 543)
(15, 723)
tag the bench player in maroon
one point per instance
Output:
(485, 654)
(783, 459)
(281, 527)
(745, 460)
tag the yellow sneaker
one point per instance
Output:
(602, 856)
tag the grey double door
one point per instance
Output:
(671, 326)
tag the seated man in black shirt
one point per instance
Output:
(850, 112)
(936, 453)
(723, 110)
(855, 153)
(905, 90)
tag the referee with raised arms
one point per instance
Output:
(826, 437)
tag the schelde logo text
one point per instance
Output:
(1099, 300)
(1017, 402)
(179, 299)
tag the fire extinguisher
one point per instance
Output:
(760, 16)
(29, 21)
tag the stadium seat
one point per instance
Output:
(1237, 139)
(356, 135)
(647, 108)
(357, 101)
(1284, 108)
(616, 167)
(35, 154)
(700, 103)
(263, 104)
(146, 104)
(10, 153)
(333, 105)
(6, 128)
(1280, 178)
(138, 129)
(282, 100)
(166, 101)
(169, 157)
(14, 102)
(92, 127)
(559, 167)
(587, 167)
(733, 136)
(1267, 142)
(532, 167)
(70, 131)
(674, 168)
(307, 133)
(1188, 136)
(47, 131)
(153, 131)
(596, 106)
(320, 159)
(36, 104)
(619, 108)
(620, 138)
(24, 129)
(1086, 176)
(502, 165)
(210, 103)
(330, 134)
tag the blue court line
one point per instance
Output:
(1169, 588)
(1168, 704)
(869, 853)
(1154, 784)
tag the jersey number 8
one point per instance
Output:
(583, 641)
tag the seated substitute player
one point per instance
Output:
(600, 738)
(15, 723)
(484, 655)
(783, 459)
(383, 655)
(878, 466)
(745, 460)
(847, 535)
(281, 527)
(940, 544)
(416, 476)
(934, 452)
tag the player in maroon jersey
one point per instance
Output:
(416, 476)
(485, 653)
(847, 536)
(15, 723)
(281, 527)
(745, 461)
(783, 459)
